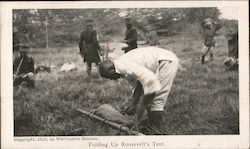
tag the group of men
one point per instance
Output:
(151, 70)
(90, 48)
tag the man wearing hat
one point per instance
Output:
(210, 28)
(152, 71)
(23, 67)
(131, 36)
(89, 46)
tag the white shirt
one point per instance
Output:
(141, 64)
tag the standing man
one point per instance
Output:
(209, 30)
(152, 70)
(23, 67)
(131, 36)
(89, 46)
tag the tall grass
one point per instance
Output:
(204, 99)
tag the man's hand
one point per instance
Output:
(131, 110)
(101, 52)
(125, 41)
(141, 108)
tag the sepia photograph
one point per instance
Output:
(118, 72)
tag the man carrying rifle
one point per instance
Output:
(152, 70)
(23, 68)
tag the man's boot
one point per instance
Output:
(211, 57)
(89, 72)
(89, 69)
(203, 59)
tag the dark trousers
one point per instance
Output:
(155, 118)
(89, 67)
(29, 82)
(152, 125)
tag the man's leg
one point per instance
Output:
(97, 64)
(151, 124)
(166, 73)
(30, 79)
(211, 53)
(17, 82)
(89, 67)
(155, 118)
(204, 52)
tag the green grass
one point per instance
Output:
(204, 99)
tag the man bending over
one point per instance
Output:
(152, 70)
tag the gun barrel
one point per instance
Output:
(115, 125)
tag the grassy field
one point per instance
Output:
(204, 98)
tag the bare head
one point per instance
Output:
(107, 70)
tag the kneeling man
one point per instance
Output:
(23, 68)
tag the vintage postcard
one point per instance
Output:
(125, 74)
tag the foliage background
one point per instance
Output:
(65, 25)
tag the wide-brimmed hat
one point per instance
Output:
(24, 47)
(128, 20)
(89, 21)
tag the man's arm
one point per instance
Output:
(149, 82)
(81, 42)
(141, 108)
(137, 93)
(146, 77)
(217, 26)
(31, 67)
(131, 109)
(133, 37)
(96, 43)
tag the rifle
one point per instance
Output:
(106, 121)
(17, 71)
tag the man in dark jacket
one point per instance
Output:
(131, 36)
(232, 61)
(210, 28)
(23, 68)
(233, 45)
(89, 46)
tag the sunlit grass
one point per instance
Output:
(204, 99)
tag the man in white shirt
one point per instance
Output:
(153, 69)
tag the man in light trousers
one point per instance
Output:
(152, 71)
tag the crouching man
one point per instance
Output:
(153, 70)
(23, 68)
